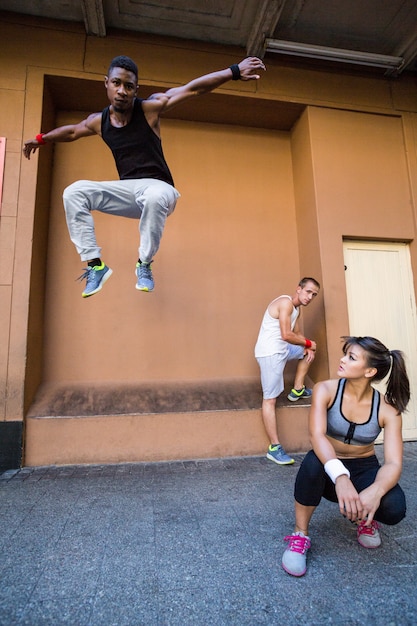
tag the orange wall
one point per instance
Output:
(221, 258)
(362, 190)
(308, 237)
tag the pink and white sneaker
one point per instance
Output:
(295, 556)
(368, 536)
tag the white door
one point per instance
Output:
(381, 303)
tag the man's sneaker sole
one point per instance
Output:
(144, 289)
(272, 458)
(103, 280)
(293, 398)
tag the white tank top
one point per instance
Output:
(269, 339)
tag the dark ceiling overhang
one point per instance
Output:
(386, 28)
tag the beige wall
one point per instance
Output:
(259, 208)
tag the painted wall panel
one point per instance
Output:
(235, 220)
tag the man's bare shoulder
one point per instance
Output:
(93, 122)
(154, 102)
(281, 304)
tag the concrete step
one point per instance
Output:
(115, 423)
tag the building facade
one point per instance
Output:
(305, 172)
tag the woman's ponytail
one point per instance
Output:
(398, 386)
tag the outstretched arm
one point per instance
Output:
(249, 69)
(71, 132)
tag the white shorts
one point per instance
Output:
(272, 370)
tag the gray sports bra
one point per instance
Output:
(343, 430)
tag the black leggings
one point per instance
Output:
(312, 483)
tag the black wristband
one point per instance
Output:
(235, 71)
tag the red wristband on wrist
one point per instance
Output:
(40, 140)
(308, 343)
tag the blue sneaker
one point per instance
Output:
(278, 455)
(96, 277)
(296, 394)
(144, 276)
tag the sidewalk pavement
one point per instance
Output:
(197, 542)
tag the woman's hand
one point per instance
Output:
(350, 503)
(370, 499)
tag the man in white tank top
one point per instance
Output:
(279, 341)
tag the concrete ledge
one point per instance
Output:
(76, 424)
(163, 437)
(66, 399)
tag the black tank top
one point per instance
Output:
(136, 149)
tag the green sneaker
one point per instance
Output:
(278, 455)
(296, 394)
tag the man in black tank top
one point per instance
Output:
(145, 190)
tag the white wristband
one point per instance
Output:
(335, 468)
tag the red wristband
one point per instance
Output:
(40, 140)
(308, 343)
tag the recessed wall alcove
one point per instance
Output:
(190, 343)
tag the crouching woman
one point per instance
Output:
(347, 415)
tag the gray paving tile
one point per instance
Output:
(191, 542)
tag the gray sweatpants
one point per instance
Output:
(146, 199)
